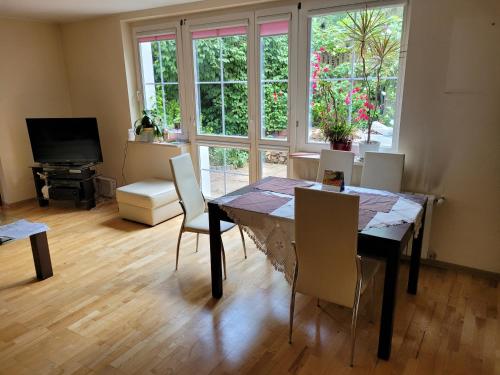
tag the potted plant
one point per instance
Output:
(148, 127)
(331, 111)
(374, 45)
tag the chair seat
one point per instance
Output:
(200, 224)
(369, 268)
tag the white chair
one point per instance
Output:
(193, 205)
(336, 161)
(328, 266)
(383, 171)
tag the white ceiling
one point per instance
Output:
(72, 10)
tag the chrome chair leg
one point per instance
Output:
(243, 240)
(223, 260)
(372, 312)
(355, 310)
(178, 246)
(197, 240)
(292, 303)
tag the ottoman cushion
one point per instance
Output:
(149, 201)
(150, 193)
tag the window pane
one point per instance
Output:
(222, 101)
(169, 60)
(173, 108)
(210, 106)
(207, 53)
(234, 50)
(275, 110)
(223, 170)
(274, 86)
(274, 57)
(236, 109)
(353, 76)
(160, 79)
(273, 163)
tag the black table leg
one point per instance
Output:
(416, 252)
(41, 255)
(389, 302)
(215, 249)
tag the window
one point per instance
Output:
(273, 163)
(274, 79)
(160, 84)
(223, 169)
(221, 82)
(362, 78)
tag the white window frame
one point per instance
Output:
(195, 24)
(226, 145)
(154, 30)
(316, 8)
(266, 144)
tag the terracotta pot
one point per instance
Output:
(341, 146)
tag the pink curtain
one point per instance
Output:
(156, 37)
(274, 28)
(223, 31)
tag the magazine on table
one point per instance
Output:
(333, 180)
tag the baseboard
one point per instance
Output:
(456, 267)
(17, 204)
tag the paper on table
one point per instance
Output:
(22, 229)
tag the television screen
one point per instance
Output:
(64, 140)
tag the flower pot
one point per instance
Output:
(148, 135)
(373, 146)
(341, 146)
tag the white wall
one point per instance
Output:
(96, 70)
(33, 83)
(450, 125)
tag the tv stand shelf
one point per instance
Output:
(65, 182)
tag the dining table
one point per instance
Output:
(388, 222)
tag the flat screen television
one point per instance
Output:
(64, 140)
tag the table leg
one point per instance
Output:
(388, 303)
(416, 253)
(41, 255)
(215, 250)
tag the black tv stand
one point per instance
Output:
(65, 182)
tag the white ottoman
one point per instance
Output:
(150, 201)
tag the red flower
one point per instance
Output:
(275, 96)
(326, 69)
(322, 49)
(368, 105)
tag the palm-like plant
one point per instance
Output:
(374, 46)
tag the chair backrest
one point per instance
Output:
(326, 235)
(336, 161)
(187, 186)
(383, 171)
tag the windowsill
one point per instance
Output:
(163, 144)
(315, 156)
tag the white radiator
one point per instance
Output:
(431, 201)
(106, 186)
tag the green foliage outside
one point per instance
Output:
(330, 35)
(166, 68)
(337, 35)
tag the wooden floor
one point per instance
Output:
(115, 305)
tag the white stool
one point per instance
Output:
(149, 201)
